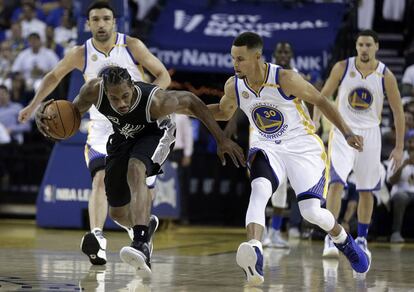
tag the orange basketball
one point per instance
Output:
(66, 119)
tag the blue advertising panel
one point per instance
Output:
(66, 188)
(195, 36)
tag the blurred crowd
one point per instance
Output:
(35, 35)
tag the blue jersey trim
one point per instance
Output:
(346, 69)
(237, 91)
(383, 81)
(279, 88)
(85, 57)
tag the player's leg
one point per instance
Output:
(341, 158)
(367, 179)
(146, 157)
(274, 237)
(93, 243)
(400, 201)
(263, 184)
(98, 204)
(308, 176)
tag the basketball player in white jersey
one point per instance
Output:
(362, 84)
(285, 147)
(105, 48)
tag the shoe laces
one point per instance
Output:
(98, 233)
(350, 252)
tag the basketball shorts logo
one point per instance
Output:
(360, 99)
(267, 119)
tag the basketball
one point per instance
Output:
(66, 119)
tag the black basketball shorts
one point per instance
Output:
(150, 149)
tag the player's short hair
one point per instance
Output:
(369, 33)
(249, 39)
(115, 75)
(100, 4)
(4, 88)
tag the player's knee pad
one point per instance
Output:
(261, 192)
(312, 212)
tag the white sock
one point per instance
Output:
(341, 236)
(255, 242)
(96, 229)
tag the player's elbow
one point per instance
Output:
(170, 102)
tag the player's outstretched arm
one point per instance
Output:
(394, 99)
(293, 84)
(331, 85)
(149, 62)
(74, 59)
(224, 110)
(184, 102)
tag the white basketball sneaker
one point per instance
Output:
(362, 243)
(329, 249)
(250, 258)
(93, 244)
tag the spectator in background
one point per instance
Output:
(19, 93)
(181, 154)
(408, 82)
(55, 16)
(30, 23)
(17, 13)
(388, 138)
(366, 9)
(8, 116)
(144, 7)
(51, 44)
(66, 33)
(15, 36)
(5, 15)
(34, 62)
(6, 61)
(402, 191)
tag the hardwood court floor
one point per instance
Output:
(186, 259)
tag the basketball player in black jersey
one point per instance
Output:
(142, 138)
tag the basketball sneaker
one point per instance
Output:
(396, 238)
(250, 258)
(329, 249)
(138, 256)
(274, 239)
(93, 244)
(358, 259)
(362, 243)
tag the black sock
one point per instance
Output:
(140, 233)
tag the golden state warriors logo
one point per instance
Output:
(267, 119)
(360, 99)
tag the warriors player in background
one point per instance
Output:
(106, 48)
(285, 147)
(362, 84)
(143, 137)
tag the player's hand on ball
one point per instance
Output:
(355, 141)
(227, 146)
(40, 118)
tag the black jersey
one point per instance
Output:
(137, 121)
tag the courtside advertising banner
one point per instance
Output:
(193, 36)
